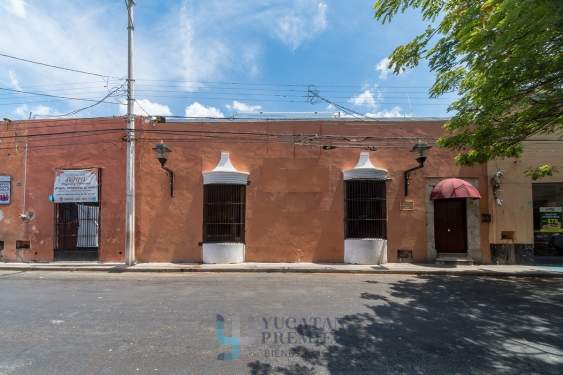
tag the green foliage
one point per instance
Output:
(540, 171)
(504, 59)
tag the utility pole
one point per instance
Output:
(130, 167)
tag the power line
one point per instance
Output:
(140, 106)
(33, 102)
(57, 66)
(80, 88)
(74, 112)
(116, 142)
(53, 96)
(314, 95)
(250, 96)
(304, 85)
(206, 132)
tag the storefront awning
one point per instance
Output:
(451, 188)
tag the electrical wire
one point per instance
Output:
(52, 96)
(74, 112)
(140, 106)
(57, 66)
(305, 85)
(211, 133)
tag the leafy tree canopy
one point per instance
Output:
(504, 59)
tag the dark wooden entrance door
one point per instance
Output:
(450, 225)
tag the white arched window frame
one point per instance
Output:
(365, 213)
(224, 206)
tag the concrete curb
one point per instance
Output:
(303, 270)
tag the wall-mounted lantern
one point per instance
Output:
(161, 151)
(420, 149)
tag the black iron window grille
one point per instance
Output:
(223, 213)
(366, 211)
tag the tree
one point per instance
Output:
(504, 59)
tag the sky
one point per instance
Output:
(210, 58)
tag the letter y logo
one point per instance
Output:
(233, 341)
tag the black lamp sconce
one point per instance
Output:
(161, 151)
(420, 148)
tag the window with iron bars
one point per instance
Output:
(223, 213)
(366, 211)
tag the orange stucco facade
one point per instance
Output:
(52, 145)
(294, 202)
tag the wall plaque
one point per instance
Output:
(407, 205)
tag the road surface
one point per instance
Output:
(108, 323)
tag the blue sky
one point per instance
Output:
(210, 58)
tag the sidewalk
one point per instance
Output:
(390, 268)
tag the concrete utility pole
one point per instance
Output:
(130, 168)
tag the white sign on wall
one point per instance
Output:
(5, 190)
(76, 185)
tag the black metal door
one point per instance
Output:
(77, 227)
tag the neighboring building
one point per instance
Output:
(254, 191)
(32, 227)
(527, 214)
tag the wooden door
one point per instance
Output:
(450, 225)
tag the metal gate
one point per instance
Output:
(77, 227)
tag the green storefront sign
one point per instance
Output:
(550, 219)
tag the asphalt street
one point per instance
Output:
(226, 323)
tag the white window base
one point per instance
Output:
(223, 253)
(365, 251)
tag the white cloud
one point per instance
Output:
(250, 56)
(74, 36)
(300, 22)
(198, 110)
(366, 98)
(213, 40)
(14, 80)
(320, 21)
(23, 111)
(240, 107)
(371, 98)
(393, 112)
(151, 108)
(15, 7)
(384, 69)
(201, 57)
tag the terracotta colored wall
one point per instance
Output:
(12, 156)
(295, 202)
(70, 146)
(295, 199)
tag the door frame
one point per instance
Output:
(62, 255)
(473, 221)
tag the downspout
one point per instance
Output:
(170, 174)
(407, 173)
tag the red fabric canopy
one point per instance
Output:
(454, 188)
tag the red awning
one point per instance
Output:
(454, 188)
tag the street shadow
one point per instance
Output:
(437, 324)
